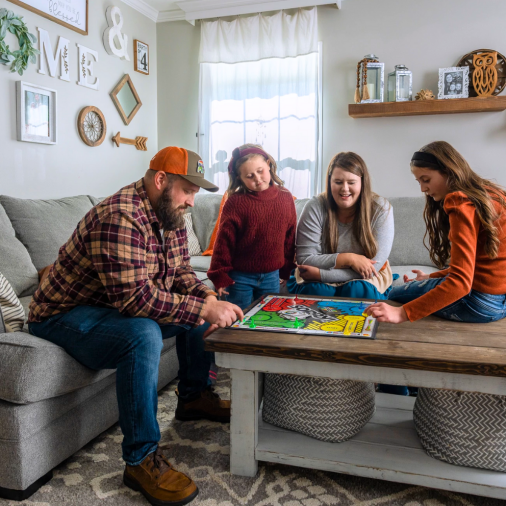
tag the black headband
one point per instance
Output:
(422, 156)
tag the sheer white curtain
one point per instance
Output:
(259, 84)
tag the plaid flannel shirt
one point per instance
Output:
(116, 258)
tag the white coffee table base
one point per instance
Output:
(387, 448)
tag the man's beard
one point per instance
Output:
(169, 218)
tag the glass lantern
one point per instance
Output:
(400, 83)
(375, 79)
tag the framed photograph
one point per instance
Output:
(72, 14)
(36, 113)
(453, 82)
(141, 57)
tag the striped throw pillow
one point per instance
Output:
(193, 242)
(12, 310)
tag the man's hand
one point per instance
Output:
(309, 273)
(220, 313)
(420, 276)
(384, 312)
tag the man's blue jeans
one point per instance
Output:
(103, 338)
(475, 307)
(250, 286)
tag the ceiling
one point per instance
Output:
(191, 10)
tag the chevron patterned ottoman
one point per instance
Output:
(463, 428)
(323, 408)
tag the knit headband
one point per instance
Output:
(422, 156)
(239, 153)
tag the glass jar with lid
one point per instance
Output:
(400, 84)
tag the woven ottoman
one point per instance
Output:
(463, 428)
(322, 408)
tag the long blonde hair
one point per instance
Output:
(235, 183)
(365, 210)
(481, 192)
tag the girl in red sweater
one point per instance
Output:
(466, 226)
(255, 246)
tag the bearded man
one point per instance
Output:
(123, 283)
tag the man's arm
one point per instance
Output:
(118, 251)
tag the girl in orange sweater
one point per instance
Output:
(466, 226)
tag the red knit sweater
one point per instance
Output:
(470, 266)
(256, 234)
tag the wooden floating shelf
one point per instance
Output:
(423, 107)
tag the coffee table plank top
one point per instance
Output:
(429, 344)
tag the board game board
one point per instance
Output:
(317, 316)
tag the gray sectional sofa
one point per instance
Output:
(50, 405)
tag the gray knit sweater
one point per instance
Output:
(310, 248)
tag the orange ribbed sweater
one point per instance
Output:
(470, 267)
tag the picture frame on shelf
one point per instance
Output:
(72, 14)
(453, 82)
(141, 57)
(36, 113)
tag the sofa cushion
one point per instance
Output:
(200, 264)
(300, 204)
(34, 369)
(12, 311)
(43, 226)
(96, 200)
(408, 247)
(407, 269)
(204, 216)
(193, 242)
(15, 262)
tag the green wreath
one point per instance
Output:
(18, 60)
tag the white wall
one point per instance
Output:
(71, 167)
(423, 35)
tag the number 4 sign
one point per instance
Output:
(141, 57)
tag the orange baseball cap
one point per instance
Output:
(184, 163)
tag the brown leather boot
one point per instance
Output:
(159, 482)
(207, 406)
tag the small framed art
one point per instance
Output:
(141, 57)
(36, 113)
(453, 82)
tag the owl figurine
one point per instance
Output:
(485, 73)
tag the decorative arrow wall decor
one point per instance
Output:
(138, 142)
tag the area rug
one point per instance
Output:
(93, 476)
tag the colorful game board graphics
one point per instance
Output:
(310, 316)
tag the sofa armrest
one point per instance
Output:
(33, 369)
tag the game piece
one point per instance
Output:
(318, 316)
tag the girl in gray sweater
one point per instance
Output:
(345, 236)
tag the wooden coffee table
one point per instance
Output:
(428, 353)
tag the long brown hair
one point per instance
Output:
(481, 192)
(365, 210)
(236, 185)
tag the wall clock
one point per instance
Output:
(92, 126)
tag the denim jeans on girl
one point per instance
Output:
(475, 307)
(250, 286)
(103, 338)
(357, 289)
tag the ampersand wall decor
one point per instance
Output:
(115, 22)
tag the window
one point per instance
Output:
(273, 102)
